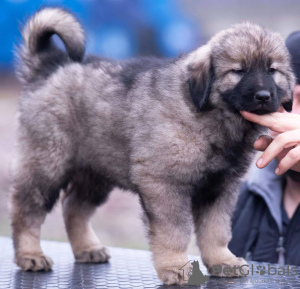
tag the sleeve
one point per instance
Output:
(242, 222)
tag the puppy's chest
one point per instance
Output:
(212, 150)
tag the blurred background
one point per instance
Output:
(121, 29)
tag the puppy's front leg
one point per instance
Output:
(85, 244)
(213, 230)
(168, 215)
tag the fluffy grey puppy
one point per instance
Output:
(168, 130)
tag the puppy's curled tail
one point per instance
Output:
(38, 55)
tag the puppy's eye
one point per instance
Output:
(272, 70)
(238, 71)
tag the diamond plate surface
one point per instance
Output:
(127, 269)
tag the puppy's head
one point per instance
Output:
(245, 67)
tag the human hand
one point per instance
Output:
(285, 147)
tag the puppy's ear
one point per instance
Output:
(288, 105)
(200, 77)
(287, 100)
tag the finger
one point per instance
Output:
(282, 141)
(276, 121)
(263, 142)
(289, 161)
(265, 120)
(282, 154)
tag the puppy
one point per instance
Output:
(168, 130)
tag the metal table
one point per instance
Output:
(127, 269)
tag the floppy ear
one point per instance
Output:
(201, 77)
(288, 105)
(287, 100)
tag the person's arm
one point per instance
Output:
(285, 147)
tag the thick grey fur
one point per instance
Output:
(169, 130)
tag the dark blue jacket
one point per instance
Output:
(261, 230)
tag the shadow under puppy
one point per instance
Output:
(168, 130)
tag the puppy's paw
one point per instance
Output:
(33, 262)
(170, 276)
(174, 276)
(233, 267)
(99, 255)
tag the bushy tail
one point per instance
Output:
(38, 56)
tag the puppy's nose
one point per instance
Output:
(262, 96)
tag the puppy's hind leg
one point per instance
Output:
(86, 191)
(27, 217)
(35, 190)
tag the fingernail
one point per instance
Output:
(259, 162)
(277, 171)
